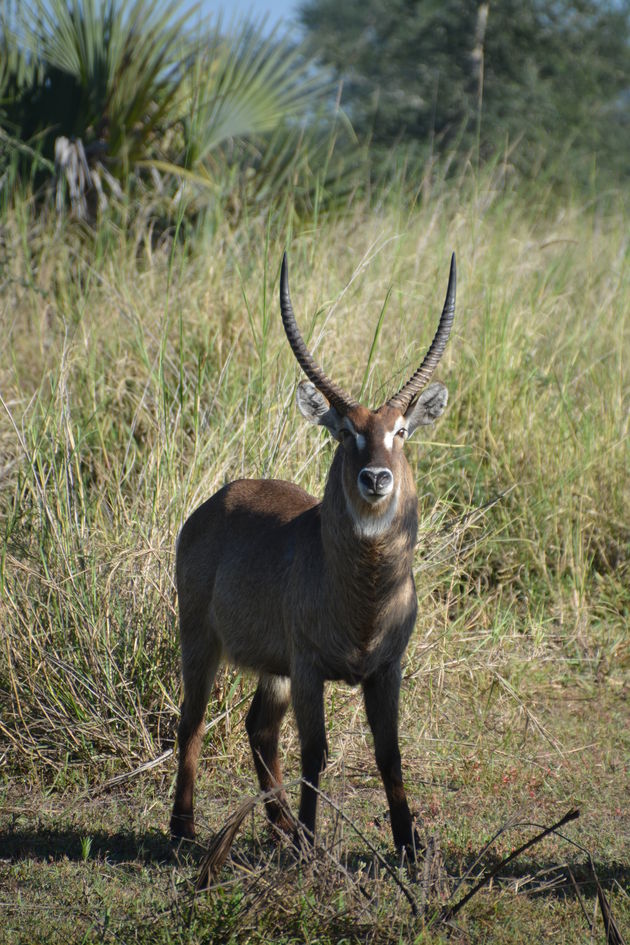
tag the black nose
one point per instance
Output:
(376, 481)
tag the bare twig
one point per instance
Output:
(449, 912)
(579, 896)
(379, 856)
(613, 935)
(219, 849)
(154, 762)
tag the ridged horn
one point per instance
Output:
(421, 378)
(334, 394)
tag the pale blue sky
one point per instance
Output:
(283, 12)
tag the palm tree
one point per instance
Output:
(117, 93)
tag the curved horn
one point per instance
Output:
(421, 378)
(334, 394)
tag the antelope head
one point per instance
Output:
(374, 468)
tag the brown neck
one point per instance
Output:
(368, 561)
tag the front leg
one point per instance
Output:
(381, 693)
(307, 690)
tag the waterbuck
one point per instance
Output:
(302, 591)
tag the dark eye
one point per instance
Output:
(402, 433)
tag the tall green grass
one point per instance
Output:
(137, 377)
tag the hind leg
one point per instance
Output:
(201, 655)
(264, 718)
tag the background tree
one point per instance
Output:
(107, 100)
(553, 75)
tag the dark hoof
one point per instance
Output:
(182, 827)
(413, 849)
(283, 824)
(303, 842)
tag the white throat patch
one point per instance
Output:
(372, 525)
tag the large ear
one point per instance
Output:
(427, 408)
(313, 405)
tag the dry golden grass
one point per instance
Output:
(137, 377)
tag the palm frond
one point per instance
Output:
(244, 84)
(122, 57)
